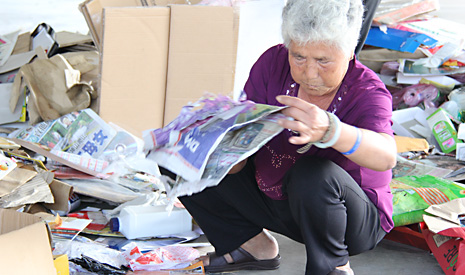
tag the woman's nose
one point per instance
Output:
(311, 71)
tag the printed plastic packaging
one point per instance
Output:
(142, 221)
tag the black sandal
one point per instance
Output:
(242, 260)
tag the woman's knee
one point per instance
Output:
(312, 165)
(310, 177)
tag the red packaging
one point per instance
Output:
(448, 247)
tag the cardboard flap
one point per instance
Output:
(61, 192)
(23, 44)
(11, 220)
(26, 250)
(93, 13)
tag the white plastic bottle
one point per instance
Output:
(141, 221)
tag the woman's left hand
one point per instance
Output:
(310, 122)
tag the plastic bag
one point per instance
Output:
(425, 94)
(390, 68)
(413, 194)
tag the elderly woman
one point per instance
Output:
(324, 180)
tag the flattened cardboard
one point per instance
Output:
(202, 55)
(67, 39)
(23, 44)
(133, 67)
(16, 61)
(164, 3)
(6, 115)
(14, 179)
(25, 245)
(407, 144)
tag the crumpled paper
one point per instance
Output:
(445, 215)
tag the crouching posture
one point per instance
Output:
(324, 180)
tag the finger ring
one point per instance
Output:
(294, 132)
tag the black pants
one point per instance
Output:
(326, 210)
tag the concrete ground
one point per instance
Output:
(388, 258)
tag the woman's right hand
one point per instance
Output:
(238, 167)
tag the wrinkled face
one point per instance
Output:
(317, 67)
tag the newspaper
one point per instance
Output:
(81, 133)
(234, 147)
(201, 146)
(47, 133)
(88, 135)
(406, 167)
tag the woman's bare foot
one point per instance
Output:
(263, 247)
(346, 268)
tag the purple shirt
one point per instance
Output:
(362, 100)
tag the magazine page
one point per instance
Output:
(191, 115)
(187, 154)
(236, 146)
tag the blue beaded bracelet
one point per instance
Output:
(357, 143)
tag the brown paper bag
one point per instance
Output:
(55, 89)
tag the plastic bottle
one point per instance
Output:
(141, 221)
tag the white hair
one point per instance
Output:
(335, 22)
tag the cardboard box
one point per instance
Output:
(25, 244)
(202, 55)
(155, 60)
(443, 130)
(134, 62)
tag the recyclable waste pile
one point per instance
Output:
(107, 207)
(421, 60)
(101, 197)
